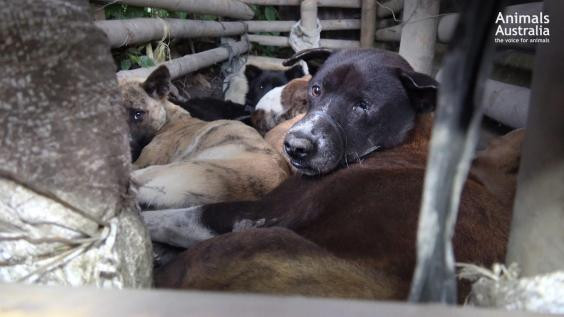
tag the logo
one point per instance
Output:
(522, 28)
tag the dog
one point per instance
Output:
(191, 162)
(362, 150)
(281, 104)
(261, 81)
(275, 261)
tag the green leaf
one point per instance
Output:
(134, 58)
(207, 17)
(146, 61)
(125, 64)
(181, 15)
(270, 13)
(136, 12)
(161, 13)
(114, 11)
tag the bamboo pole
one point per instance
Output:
(506, 103)
(143, 30)
(267, 62)
(419, 33)
(189, 63)
(384, 10)
(368, 23)
(285, 26)
(320, 3)
(284, 42)
(225, 8)
(308, 16)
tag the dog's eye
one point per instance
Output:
(361, 105)
(315, 90)
(261, 87)
(137, 115)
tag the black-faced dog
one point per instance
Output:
(367, 106)
(261, 81)
(360, 101)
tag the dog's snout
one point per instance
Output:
(298, 147)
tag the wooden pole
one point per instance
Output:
(321, 3)
(189, 63)
(286, 26)
(284, 42)
(224, 8)
(368, 23)
(419, 33)
(308, 16)
(536, 241)
(143, 30)
(386, 9)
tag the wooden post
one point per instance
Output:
(308, 14)
(536, 241)
(419, 33)
(368, 23)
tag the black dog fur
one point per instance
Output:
(262, 81)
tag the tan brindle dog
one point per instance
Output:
(190, 162)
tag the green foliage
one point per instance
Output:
(268, 13)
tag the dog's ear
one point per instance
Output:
(314, 58)
(294, 72)
(252, 72)
(157, 85)
(421, 88)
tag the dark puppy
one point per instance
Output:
(360, 100)
(262, 81)
(210, 109)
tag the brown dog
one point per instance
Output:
(369, 140)
(191, 162)
(273, 260)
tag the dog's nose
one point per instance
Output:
(298, 147)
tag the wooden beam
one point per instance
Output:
(189, 63)
(285, 26)
(143, 30)
(223, 8)
(284, 42)
(368, 23)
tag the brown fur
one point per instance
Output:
(497, 166)
(273, 260)
(191, 162)
(365, 214)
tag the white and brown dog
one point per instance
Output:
(191, 162)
